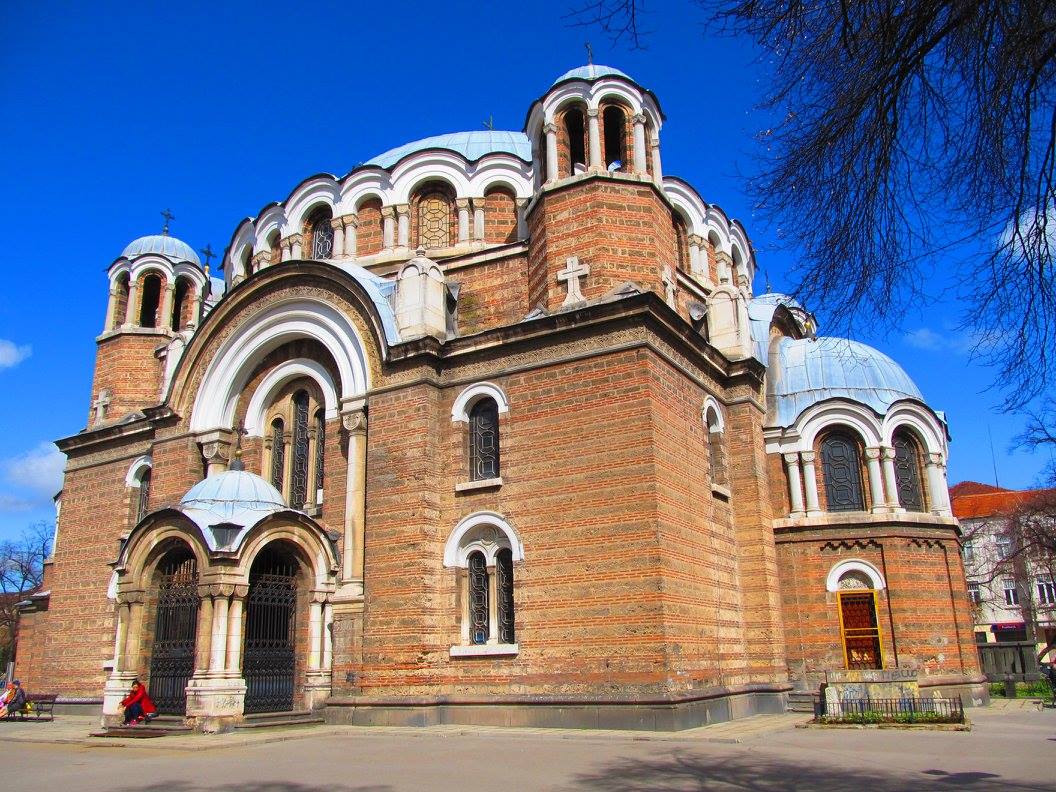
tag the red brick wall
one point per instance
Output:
(125, 364)
(369, 236)
(500, 217)
(493, 293)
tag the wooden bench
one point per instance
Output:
(43, 706)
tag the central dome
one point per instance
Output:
(161, 244)
(230, 494)
(471, 145)
(591, 72)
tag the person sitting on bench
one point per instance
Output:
(15, 700)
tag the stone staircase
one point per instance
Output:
(162, 726)
(801, 701)
(274, 720)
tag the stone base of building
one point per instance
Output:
(645, 715)
(215, 704)
(79, 706)
(972, 691)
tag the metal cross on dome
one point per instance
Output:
(207, 251)
(169, 217)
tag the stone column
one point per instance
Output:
(295, 247)
(403, 225)
(522, 219)
(638, 119)
(462, 204)
(351, 224)
(315, 634)
(111, 309)
(121, 637)
(887, 460)
(795, 484)
(354, 422)
(493, 610)
(594, 137)
(551, 152)
(204, 633)
(218, 657)
(287, 249)
(654, 146)
(478, 219)
(135, 636)
(234, 637)
(696, 246)
(876, 485)
(167, 297)
(216, 449)
(937, 487)
(810, 484)
(338, 224)
(388, 227)
(328, 637)
(133, 303)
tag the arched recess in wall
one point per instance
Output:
(434, 220)
(319, 233)
(150, 286)
(615, 140)
(572, 140)
(369, 227)
(500, 215)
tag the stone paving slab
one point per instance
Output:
(76, 730)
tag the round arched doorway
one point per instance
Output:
(269, 661)
(175, 629)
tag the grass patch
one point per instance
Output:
(1038, 689)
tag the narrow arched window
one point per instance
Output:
(299, 473)
(121, 305)
(322, 233)
(504, 595)
(479, 629)
(144, 495)
(179, 300)
(320, 453)
(247, 261)
(484, 440)
(716, 446)
(434, 220)
(907, 472)
(278, 453)
(843, 472)
(149, 301)
(275, 246)
(615, 137)
(577, 155)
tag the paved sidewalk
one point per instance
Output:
(76, 730)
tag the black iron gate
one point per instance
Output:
(269, 660)
(172, 658)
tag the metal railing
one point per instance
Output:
(900, 710)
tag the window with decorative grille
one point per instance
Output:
(434, 220)
(278, 453)
(144, 495)
(907, 472)
(322, 235)
(299, 473)
(843, 472)
(504, 595)
(484, 440)
(320, 453)
(479, 617)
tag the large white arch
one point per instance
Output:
(470, 395)
(289, 320)
(836, 412)
(264, 395)
(425, 166)
(832, 581)
(454, 551)
(918, 418)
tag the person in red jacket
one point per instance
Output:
(137, 704)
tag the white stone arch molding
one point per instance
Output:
(151, 263)
(692, 207)
(321, 189)
(841, 568)
(827, 415)
(472, 394)
(191, 272)
(711, 403)
(502, 170)
(294, 529)
(120, 267)
(363, 184)
(271, 219)
(289, 320)
(137, 469)
(457, 550)
(920, 421)
(418, 169)
(264, 395)
(245, 236)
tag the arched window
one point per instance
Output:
(434, 219)
(907, 471)
(320, 453)
(299, 474)
(179, 300)
(615, 137)
(278, 453)
(150, 300)
(504, 595)
(121, 301)
(143, 502)
(322, 233)
(841, 463)
(275, 246)
(484, 440)
(716, 445)
(577, 149)
(479, 617)
(247, 261)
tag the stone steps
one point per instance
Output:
(271, 720)
(802, 701)
(162, 726)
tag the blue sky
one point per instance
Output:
(115, 111)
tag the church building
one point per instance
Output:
(492, 429)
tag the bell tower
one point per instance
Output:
(157, 288)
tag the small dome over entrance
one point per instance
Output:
(228, 502)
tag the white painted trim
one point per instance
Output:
(456, 552)
(484, 650)
(135, 471)
(469, 486)
(279, 376)
(471, 394)
(832, 582)
(710, 402)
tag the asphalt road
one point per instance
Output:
(1005, 751)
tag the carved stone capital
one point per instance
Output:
(337, 223)
(807, 456)
(550, 129)
(887, 452)
(354, 421)
(638, 118)
(216, 445)
(351, 220)
(592, 112)
(294, 239)
(872, 453)
(388, 211)
(478, 201)
(695, 240)
(403, 209)
(792, 458)
(935, 459)
(462, 203)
